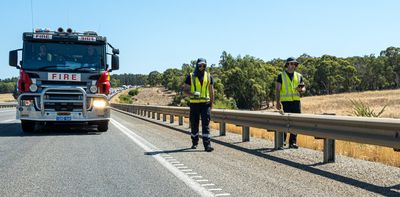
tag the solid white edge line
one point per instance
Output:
(180, 175)
(7, 110)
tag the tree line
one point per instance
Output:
(249, 82)
(8, 85)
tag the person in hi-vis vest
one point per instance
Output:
(199, 87)
(289, 85)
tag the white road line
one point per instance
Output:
(178, 164)
(216, 189)
(181, 167)
(186, 170)
(174, 162)
(7, 110)
(191, 173)
(5, 121)
(196, 177)
(148, 147)
(202, 180)
(224, 194)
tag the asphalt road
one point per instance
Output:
(139, 158)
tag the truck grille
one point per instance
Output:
(65, 100)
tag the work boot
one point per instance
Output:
(194, 146)
(208, 148)
(294, 146)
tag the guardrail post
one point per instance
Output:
(245, 134)
(171, 118)
(278, 140)
(180, 120)
(148, 114)
(158, 116)
(164, 117)
(329, 150)
(153, 115)
(222, 128)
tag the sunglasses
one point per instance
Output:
(202, 65)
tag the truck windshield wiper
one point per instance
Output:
(85, 69)
(51, 66)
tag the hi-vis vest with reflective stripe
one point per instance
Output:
(288, 88)
(195, 86)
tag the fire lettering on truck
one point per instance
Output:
(64, 77)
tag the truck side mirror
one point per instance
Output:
(114, 62)
(13, 59)
(115, 51)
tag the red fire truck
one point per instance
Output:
(64, 78)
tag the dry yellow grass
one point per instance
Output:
(6, 97)
(341, 105)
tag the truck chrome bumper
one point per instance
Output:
(37, 111)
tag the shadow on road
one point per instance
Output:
(173, 151)
(14, 130)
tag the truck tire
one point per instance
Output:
(102, 126)
(28, 126)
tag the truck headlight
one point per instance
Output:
(33, 87)
(93, 89)
(99, 103)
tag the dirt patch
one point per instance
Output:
(154, 96)
(149, 96)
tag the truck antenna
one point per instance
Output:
(32, 14)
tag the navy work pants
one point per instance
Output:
(202, 110)
(291, 107)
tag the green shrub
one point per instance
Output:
(124, 98)
(362, 109)
(225, 104)
(133, 92)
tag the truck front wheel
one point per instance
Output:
(28, 126)
(102, 126)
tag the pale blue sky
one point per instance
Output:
(161, 34)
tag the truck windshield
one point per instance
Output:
(63, 57)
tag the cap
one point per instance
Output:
(201, 61)
(290, 60)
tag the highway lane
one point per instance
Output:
(79, 163)
(137, 158)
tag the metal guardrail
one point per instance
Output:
(374, 131)
(8, 105)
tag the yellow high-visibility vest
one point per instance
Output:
(195, 86)
(288, 89)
